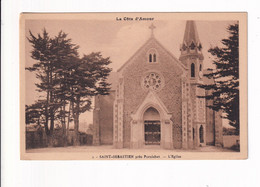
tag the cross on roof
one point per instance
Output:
(152, 27)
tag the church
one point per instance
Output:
(154, 100)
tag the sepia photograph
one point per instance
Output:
(133, 86)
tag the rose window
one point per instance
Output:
(152, 81)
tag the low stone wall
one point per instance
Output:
(35, 139)
(38, 139)
(230, 141)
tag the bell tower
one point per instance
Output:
(193, 107)
(191, 52)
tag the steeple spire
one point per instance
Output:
(191, 43)
(191, 33)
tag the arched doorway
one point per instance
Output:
(151, 111)
(152, 127)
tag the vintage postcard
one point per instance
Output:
(133, 86)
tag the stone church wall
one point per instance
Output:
(191, 139)
(170, 94)
(106, 118)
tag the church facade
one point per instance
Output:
(154, 100)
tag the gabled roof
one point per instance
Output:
(151, 100)
(152, 39)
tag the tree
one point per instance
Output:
(225, 89)
(33, 113)
(87, 79)
(66, 56)
(67, 81)
(50, 55)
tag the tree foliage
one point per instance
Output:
(225, 89)
(87, 79)
(67, 81)
(34, 113)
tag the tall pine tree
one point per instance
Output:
(67, 81)
(50, 55)
(88, 79)
(225, 89)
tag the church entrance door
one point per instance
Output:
(152, 132)
(151, 125)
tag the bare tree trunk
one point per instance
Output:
(46, 125)
(68, 123)
(76, 123)
(51, 136)
(64, 135)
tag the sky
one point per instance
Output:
(119, 40)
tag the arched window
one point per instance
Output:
(200, 67)
(192, 70)
(150, 58)
(201, 134)
(154, 57)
